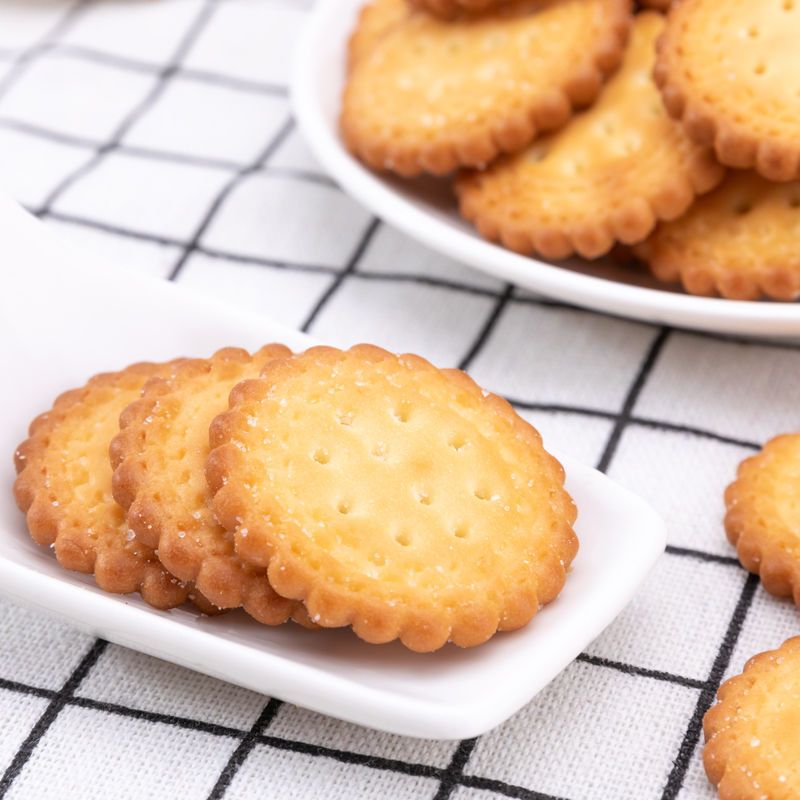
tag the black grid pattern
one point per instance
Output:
(498, 300)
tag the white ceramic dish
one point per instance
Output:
(62, 319)
(425, 210)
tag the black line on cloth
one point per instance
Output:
(40, 132)
(703, 555)
(773, 344)
(107, 227)
(155, 717)
(27, 56)
(54, 708)
(674, 427)
(545, 302)
(488, 326)
(361, 247)
(208, 162)
(426, 280)
(507, 789)
(186, 42)
(452, 775)
(234, 82)
(223, 194)
(168, 241)
(244, 749)
(635, 390)
(349, 757)
(681, 764)
(258, 261)
(644, 422)
(85, 53)
(301, 175)
(138, 151)
(643, 672)
(24, 688)
(558, 408)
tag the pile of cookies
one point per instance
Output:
(333, 488)
(575, 126)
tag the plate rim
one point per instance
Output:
(752, 318)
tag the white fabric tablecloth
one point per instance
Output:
(157, 133)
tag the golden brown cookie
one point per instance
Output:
(752, 747)
(449, 8)
(763, 515)
(739, 241)
(608, 176)
(731, 76)
(64, 487)
(428, 95)
(159, 460)
(392, 496)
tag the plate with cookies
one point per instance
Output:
(611, 155)
(358, 532)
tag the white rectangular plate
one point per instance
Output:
(62, 319)
(425, 210)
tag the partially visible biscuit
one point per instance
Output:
(392, 496)
(731, 79)
(752, 747)
(64, 487)
(763, 515)
(739, 241)
(159, 460)
(427, 95)
(608, 176)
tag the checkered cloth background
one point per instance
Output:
(157, 133)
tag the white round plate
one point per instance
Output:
(425, 210)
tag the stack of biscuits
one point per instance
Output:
(333, 488)
(571, 127)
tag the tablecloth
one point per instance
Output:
(157, 135)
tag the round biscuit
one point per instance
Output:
(64, 487)
(731, 77)
(763, 515)
(392, 496)
(159, 460)
(739, 241)
(752, 749)
(428, 95)
(608, 176)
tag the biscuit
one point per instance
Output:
(159, 460)
(64, 487)
(392, 496)
(752, 748)
(763, 515)
(427, 95)
(606, 177)
(449, 8)
(729, 78)
(739, 241)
